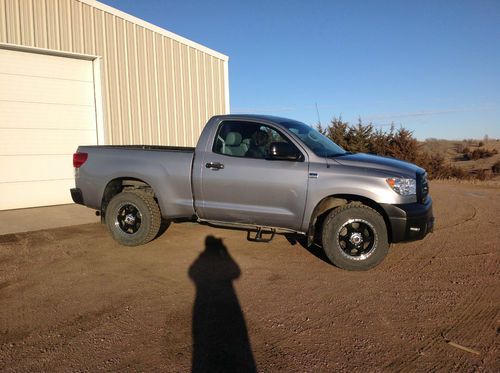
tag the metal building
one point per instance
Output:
(76, 72)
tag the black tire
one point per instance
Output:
(354, 237)
(133, 218)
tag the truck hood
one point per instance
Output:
(393, 166)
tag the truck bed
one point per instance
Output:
(158, 148)
(167, 169)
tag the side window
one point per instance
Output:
(229, 139)
(246, 139)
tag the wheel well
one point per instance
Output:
(329, 203)
(118, 185)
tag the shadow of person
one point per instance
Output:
(220, 337)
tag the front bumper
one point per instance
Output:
(411, 221)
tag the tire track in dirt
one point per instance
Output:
(434, 344)
(423, 248)
(474, 309)
(477, 338)
(462, 333)
(466, 220)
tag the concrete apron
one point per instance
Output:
(38, 218)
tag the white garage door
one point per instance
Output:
(47, 109)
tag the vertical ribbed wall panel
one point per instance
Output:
(209, 73)
(52, 17)
(151, 90)
(100, 50)
(170, 90)
(186, 90)
(64, 14)
(27, 26)
(195, 94)
(161, 99)
(179, 102)
(202, 86)
(134, 109)
(89, 29)
(40, 21)
(114, 130)
(13, 22)
(222, 87)
(155, 89)
(143, 106)
(3, 22)
(76, 26)
(122, 79)
(217, 90)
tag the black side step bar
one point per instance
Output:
(258, 235)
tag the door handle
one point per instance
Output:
(214, 165)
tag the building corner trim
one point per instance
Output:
(226, 87)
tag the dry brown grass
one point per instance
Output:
(451, 151)
(491, 183)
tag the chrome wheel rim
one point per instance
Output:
(357, 239)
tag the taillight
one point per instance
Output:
(79, 159)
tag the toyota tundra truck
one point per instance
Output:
(263, 174)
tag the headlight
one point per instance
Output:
(403, 187)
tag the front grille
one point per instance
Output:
(422, 187)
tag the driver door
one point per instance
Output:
(241, 186)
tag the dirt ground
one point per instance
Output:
(71, 299)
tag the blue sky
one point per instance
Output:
(431, 66)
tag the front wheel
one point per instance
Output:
(354, 237)
(133, 218)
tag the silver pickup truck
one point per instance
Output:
(265, 175)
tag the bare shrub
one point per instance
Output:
(400, 144)
(478, 154)
(496, 168)
(483, 174)
(337, 131)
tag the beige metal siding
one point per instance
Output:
(156, 89)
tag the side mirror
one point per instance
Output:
(283, 151)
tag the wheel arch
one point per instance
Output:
(333, 201)
(119, 184)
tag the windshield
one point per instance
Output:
(321, 145)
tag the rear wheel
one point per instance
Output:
(133, 218)
(354, 237)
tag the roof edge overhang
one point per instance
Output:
(150, 26)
